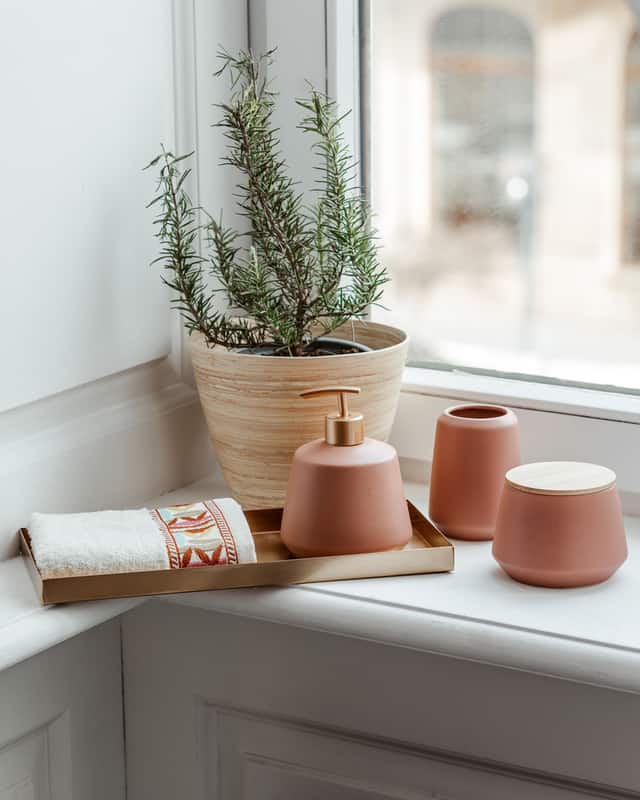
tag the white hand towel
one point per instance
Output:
(205, 533)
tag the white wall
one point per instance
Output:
(88, 101)
(96, 408)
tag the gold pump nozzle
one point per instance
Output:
(344, 428)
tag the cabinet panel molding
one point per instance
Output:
(61, 724)
(262, 758)
(38, 765)
(24, 768)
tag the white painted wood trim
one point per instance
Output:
(343, 65)
(532, 395)
(332, 611)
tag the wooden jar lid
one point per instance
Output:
(561, 477)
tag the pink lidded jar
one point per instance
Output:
(560, 524)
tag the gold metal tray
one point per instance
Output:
(428, 551)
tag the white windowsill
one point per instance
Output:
(589, 635)
(522, 394)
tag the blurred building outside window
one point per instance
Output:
(505, 178)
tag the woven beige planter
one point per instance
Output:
(256, 419)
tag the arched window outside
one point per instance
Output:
(482, 72)
(631, 167)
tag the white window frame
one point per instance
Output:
(557, 421)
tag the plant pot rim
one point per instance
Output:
(197, 340)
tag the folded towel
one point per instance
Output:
(189, 535)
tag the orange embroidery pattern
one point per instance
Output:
(196, 535)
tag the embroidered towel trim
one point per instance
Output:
(202, 534)
(182, 536)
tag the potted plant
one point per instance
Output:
(297, 288)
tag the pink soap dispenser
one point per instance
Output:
(345, 492)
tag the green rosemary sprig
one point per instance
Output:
(304, 271)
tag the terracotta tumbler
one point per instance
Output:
(560, 524)
(474, 447)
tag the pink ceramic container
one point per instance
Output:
(343, 500)
(345, 492)
(559, 538)
(474, 446)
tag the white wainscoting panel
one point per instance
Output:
(24, 768)
(38, 765)
(61, 726)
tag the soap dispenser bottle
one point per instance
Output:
(345, 492)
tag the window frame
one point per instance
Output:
(558, 422)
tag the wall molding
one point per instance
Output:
(111, 443)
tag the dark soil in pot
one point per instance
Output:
(324, 346)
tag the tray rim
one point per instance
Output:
(52, 590)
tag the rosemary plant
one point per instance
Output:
(299, 272)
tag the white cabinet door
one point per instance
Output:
(225, 707)
(61, 735)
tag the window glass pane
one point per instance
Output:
(505, 176)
